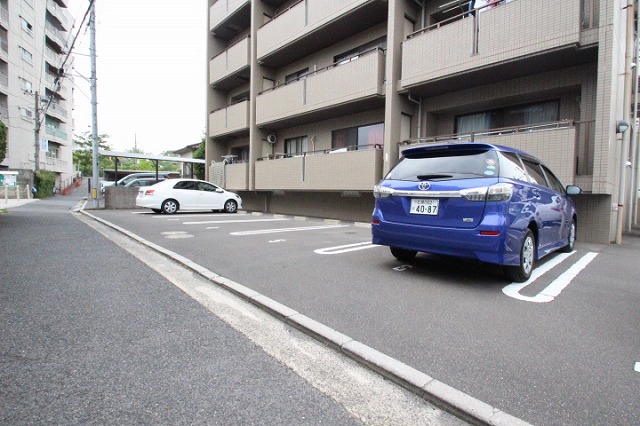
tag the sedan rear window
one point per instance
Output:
(444, 165)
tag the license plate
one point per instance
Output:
(424, 206)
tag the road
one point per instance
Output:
(561, 350)
(97, 329)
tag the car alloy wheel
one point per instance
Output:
(522, 272)
(170, 206)
(571, 240)
(230, 206)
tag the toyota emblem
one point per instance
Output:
(424, 186)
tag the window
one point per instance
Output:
(240, 97)
(353, 54)
(26, 114)
(553, 180)
(26, 25)
(514, 116)
(362, 137)
(511, 167)
(53, 152)
(295, 76)
(26, 55)
(185, 184)
(535, 172)
(296, 146)
(25, 85)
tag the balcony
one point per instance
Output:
(357, 170)
(228, 17)
(237, 176)
(312, 25)
(4, 17)
(330, 92)
(230, 68)
(61, 13)
(507, 40)
(55, 35)
(565, 146)
(229, 120)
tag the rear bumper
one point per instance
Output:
(503, 249)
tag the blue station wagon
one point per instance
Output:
(474, 200)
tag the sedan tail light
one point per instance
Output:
(149, 192)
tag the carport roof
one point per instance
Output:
(150, 157)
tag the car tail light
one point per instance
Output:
(149, 192)
(498, 192)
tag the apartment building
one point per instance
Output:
(34, 36)
(311, 102)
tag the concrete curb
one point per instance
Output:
(445, 397)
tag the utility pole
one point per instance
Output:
(36, 131)
(95, 185)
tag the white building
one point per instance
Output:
(34, 38)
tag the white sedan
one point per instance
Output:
(172, 195)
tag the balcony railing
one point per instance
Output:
(221, 10)
(232, 60)
(299, 20)
(565, 146)
(237, 176)
(338, 84)
(489, 36)
(229, 119)
(55, 34)
(355, 169)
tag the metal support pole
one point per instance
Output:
(36, 131)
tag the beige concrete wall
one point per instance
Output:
(299, 20)
(229, 61)
(237, 176)
(357, 79)
(230, 119)
(509, 31)
(331, 205)
(221, 9)
(342, 171)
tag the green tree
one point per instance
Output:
(198, 169)
(3, 141)
(83, 153)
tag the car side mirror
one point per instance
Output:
(220, 190)
(574, 190)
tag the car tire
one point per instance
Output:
(156, 210)
(571, 239)
(522, 272)
(170, 206)
(403, 255)
(230, 206)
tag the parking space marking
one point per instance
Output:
(554, 289)
(277, 230)
(346, 248)
(637, 367)
(204, 222)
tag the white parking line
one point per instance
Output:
(275, 231)
(346, 248)
(204, 222)
(555, 288)
(637, 367)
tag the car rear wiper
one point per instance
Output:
(433, 176)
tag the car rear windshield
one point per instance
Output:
(446, 164)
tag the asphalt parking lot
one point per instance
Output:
(559, 349)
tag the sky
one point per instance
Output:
(151, 73)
